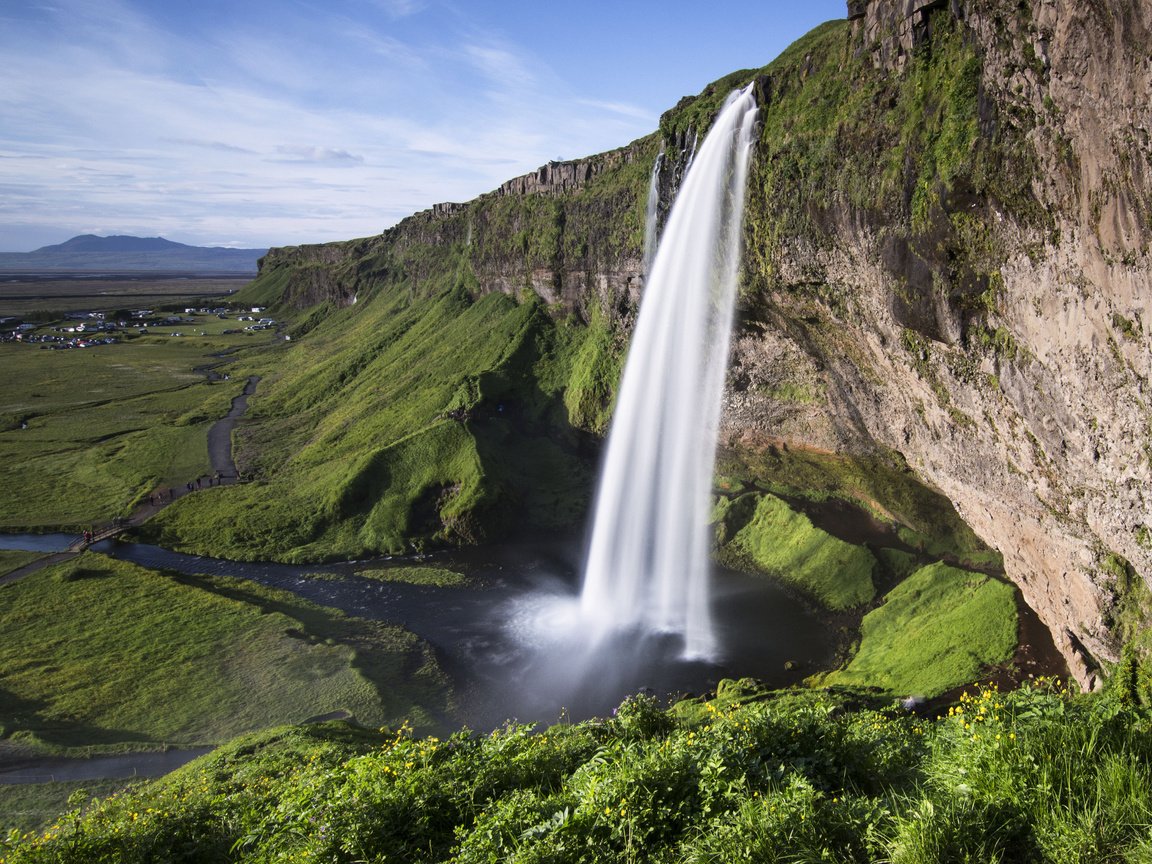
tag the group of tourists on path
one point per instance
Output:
(160, 498)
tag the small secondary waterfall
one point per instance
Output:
(648, 558)
(651, 214)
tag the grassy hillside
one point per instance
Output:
(1038, 775)
(761, 532)
(399, 420)
(102, 654)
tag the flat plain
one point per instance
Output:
(86, 434)
(35, 295)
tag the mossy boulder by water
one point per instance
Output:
(761, 531)
(938, 629)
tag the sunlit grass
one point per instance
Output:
(13, 560)
(398, 423)
(1039, 775)
(763, 532)
(102, 652)
(437, 576)
(938, 629)
(88, 433)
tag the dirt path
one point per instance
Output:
(220, 435)
(223, 474)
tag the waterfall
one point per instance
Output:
(651, 213)
(648, 557)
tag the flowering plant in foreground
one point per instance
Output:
(1038, 774)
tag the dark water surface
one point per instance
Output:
(46, 543)
(512, 642)
(121, 765)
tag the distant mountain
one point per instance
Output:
(121, 252)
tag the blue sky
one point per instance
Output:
(258, 123)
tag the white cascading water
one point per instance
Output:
(651, 213)
(648, 558)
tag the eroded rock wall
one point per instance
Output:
(1035, 423)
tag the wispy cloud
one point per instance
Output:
(401, 8)
(306, 130)
(297, 153)
(209, 145)
(501, 66)
(623, 109)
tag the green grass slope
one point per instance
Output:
(13, 560)
(1038, 775)
(399, 421)
(103, 654)
(938, 629)
(762, 532)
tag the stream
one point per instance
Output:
(509, 639)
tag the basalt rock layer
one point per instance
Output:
(988, 316)
(946, 263)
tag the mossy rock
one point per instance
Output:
(938, 629)
(761, 531)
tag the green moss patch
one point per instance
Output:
(761, 531)
(437, 576)
(881, 484)
(102, 652)
(938, 629)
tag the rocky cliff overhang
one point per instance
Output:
(1000, 339)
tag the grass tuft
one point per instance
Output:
(437, 576)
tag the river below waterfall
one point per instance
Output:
(507, 638)
(511, 640)
(504, 639)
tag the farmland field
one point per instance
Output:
(38, 296)
(86, 434)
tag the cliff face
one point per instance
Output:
(997, 336)
(946, 258)
(570, 232)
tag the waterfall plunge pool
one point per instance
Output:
(512, 640)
